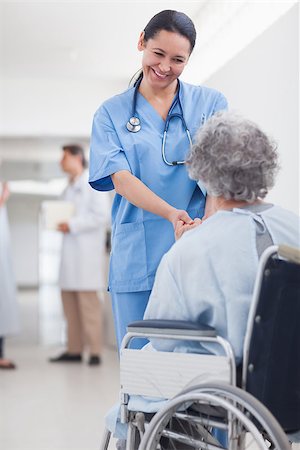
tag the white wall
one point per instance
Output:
(23, 218)
(262, 83)
(52, 107)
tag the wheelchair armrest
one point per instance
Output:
(173, 327)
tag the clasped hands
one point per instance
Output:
(182, 222)
(181, 227)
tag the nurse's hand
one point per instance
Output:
(182, 227)
(178, 214)
(63, 227)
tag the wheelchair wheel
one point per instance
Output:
(214, 417)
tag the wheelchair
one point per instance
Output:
(204, 408)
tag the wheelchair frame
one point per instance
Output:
(207, 390)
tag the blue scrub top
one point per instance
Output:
(140, 238)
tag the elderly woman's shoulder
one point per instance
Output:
(279, 211)
(206, 229)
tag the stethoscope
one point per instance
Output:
(134, 124)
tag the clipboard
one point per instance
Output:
(55, 212)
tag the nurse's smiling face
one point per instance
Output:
(165, 56)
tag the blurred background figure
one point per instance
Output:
(9, 323)
(80, 269)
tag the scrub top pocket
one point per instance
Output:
(128, 262)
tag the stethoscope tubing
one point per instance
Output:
(134, 124)
(163, 146)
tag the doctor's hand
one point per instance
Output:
(4, 194)
(182, 227)
(63, 227)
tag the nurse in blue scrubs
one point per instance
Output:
(138, 147)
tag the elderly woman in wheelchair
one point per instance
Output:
(214, 306)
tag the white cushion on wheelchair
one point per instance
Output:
(165, 374)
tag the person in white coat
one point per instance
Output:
(81, 270)
(9, 318)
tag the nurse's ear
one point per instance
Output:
(141, 42)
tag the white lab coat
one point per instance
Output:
(83, 249)
(9, 318)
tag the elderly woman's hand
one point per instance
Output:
(182, 227)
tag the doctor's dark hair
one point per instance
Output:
(233, 158)
(76, 149)
(174, 21)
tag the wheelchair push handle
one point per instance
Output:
(290, 253)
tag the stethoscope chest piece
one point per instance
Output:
(133, 125)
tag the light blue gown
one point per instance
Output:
(208, 276)
(140, 238)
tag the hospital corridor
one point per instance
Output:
(121, 205)
(45, 406)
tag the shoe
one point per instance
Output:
(67, 357)
(94, 360)
(6, 364)
(121, 444)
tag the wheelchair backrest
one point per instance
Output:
(272, 368)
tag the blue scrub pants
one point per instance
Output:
(128, 307)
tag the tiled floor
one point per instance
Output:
(46, 406)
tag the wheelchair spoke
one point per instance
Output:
(222, 418)
(188, 441)
(188, 429)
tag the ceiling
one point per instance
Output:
(76, 40)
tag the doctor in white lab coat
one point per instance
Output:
(9, 318)
(82, 260)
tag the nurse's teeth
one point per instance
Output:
(159, 75)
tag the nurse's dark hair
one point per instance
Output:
(76, 149)
(168, 20)
(174, 21)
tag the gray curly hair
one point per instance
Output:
(233, 158)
